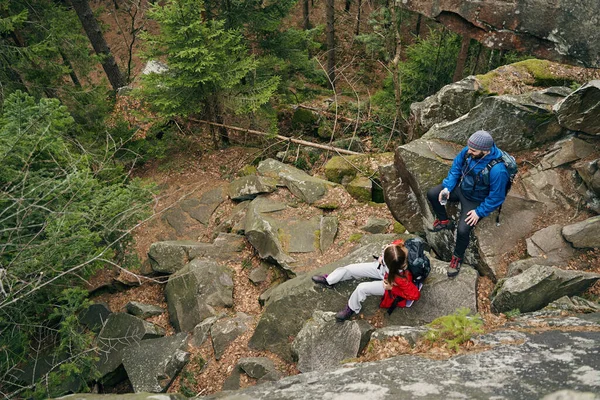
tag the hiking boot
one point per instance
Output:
(454, 267)
(439, 225)
(345, 314)
(321, 280)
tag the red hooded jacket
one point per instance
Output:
(403, 287)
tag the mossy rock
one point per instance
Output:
(399, 228)
(360, 189)
(305, 120)
(349, 166)
(247, 170)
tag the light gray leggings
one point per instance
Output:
(364, 289)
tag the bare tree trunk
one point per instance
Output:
(330, 17)
(306, 14)
(395, 68)
(93, 32)
(462, 58)
(72, 73)
(418, 27)
(476, 63)
(347, 6)
(357, 30)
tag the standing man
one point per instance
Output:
(479, 189)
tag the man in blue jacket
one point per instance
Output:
(479, 190)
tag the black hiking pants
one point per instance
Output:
(463, 230)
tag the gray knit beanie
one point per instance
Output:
(481, 140)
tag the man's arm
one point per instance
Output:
(455, 171)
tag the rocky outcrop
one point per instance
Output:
(538, 286)
(323, 343)
(580, 110)
(328, 230)
(125, 396)
(95, 316)
(152, 365)
(562, 31)
(524, 366)
(516, 122)
(196, 291)
(548, 243)
(343, 169)
(440, 296)
(584, 234)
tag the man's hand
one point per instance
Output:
(472, 218)
(444, 191)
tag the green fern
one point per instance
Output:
(455, 329)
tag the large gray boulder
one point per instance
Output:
(226, 330)
(515, 122)
(152, 365)
(170, 256)
(306, 187)
(528, 368)
(323, 343)
(581, 110)
(551, 187)
(289, 305)
(584, 234)
(449, 103)
(250, 186)
(196, 291)
(589, 171)
(256, 367)
(400, 198)
(538, 286)
(120, 331)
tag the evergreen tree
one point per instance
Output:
(210, 67)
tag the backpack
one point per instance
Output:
(511, 166)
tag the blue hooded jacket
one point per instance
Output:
(471, 181)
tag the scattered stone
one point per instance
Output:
(256, 367)
(548, 243)
(580, 111)
(202, 330)
(248, 187)
(551, 95)
(120, 331)
(142, 310)
(233, 380)
(259, 274)
(152, 365)
(584, 234)
(226, 330)
(202, 209)
(566, 151)
(574, 304)
(235, 222)
(125, 396)
(328, 230)
(155, 67)
(376, 225)
(360, 189)
(95, 316)
(194, 292)
(538, 286)
(520, 266)
(411, 333)
(176, 218)
(589, 172)
(323, 343)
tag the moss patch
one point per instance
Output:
(355, 237)
(399, 228)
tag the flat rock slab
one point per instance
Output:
(549, 243)
(544, 363)
(95, 316)
(152, 365)
(580, 111)
(300, 236)
(201, 209)
(584, 234)
(143, 310)
(248, 187)
(328, 230)
(323, 343)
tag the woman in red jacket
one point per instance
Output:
(392, 280)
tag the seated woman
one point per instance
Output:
(393, 280)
